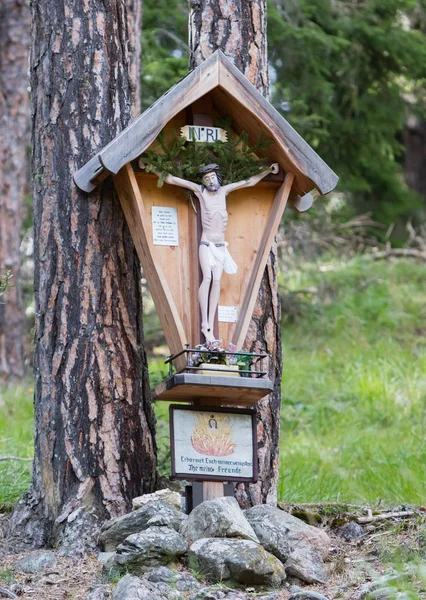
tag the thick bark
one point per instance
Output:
(14, 140)
(415, 155)
(94, 444)
(238, 28)
(134, 21)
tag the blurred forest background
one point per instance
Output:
(350, 77)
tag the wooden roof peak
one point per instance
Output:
(218, 75)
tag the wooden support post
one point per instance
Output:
(212, 490)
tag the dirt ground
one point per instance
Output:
(388, 545)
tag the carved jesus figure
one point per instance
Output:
(213, 253)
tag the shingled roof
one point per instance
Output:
(233, 96)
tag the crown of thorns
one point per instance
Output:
(213, 168)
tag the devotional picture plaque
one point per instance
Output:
(213, 444)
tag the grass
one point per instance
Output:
(353, 424)
(353, 421)
(16, 439)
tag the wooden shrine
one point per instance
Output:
(166, 230)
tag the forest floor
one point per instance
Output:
(389, 546)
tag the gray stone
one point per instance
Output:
(218, 518)
(162, 575)
(109, 566)
(99, 593)
(183, 582)
(217, 593)
(166, 495)
(306, 564)
(187, 583)
(293, 588)
(220, 559)
(271, 533)
(350, 531)
(297, 530)
(35, 562)
(133, 588)
(208, 593)
(302, 546)
(236, 595)
(156, 513)
(104, 557)
(307, 595)
(154, 547)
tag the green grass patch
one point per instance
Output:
(16, 440)
(353, 420)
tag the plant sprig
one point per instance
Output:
(236, 158)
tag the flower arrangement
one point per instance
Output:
(213, 353)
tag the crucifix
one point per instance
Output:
(213, 254)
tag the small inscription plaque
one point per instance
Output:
(165, 226)
(196, 133)
(227, 314)
(217, 444)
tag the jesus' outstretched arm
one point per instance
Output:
(274, 168)
(172, 180)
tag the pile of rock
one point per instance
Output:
(258, 546)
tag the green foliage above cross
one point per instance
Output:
(236, 159)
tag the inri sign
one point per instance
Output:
(198, 133)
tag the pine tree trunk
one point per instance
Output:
(94, 441)
(14, 140)
(134, 20)
(414, 137)
(238, 28)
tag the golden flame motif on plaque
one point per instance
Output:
(212, 435)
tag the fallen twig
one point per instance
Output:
(404, 252)
(376, 535)
(383, 516)
(15, 458)
(6, 593)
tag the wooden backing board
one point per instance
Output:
(138, 220)
(254, 216)
(175, 262)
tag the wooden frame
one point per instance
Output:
(202, 476)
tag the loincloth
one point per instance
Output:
(229, 265)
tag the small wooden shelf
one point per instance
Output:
(219, 389)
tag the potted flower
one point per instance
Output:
(211, 356)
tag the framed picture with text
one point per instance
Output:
(213, 444)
